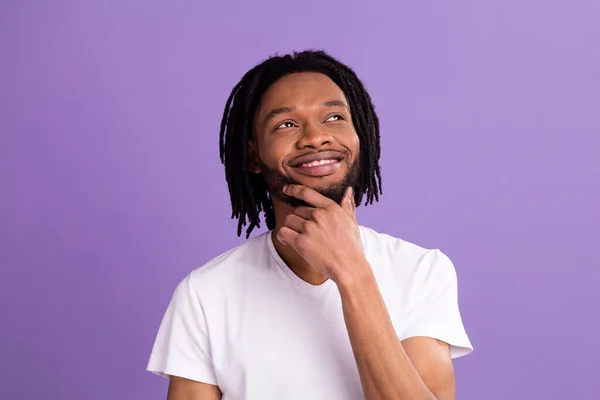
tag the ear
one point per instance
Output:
(254, 166)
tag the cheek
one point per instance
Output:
(272, 153)
(353, 144)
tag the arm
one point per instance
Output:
(417, 368)
(185, 389)
(328, 238)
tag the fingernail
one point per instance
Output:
(281, 241)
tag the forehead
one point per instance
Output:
(301, 89)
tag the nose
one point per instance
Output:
(313, 137)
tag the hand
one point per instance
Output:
(325, 235)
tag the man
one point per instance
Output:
(318, 307)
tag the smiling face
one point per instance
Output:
(303, 134)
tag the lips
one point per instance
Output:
(314, 158)
(318, 164)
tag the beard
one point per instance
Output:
(333, 190)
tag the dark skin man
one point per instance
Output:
(303, 132)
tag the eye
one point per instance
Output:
(333, 118)
(286, 124)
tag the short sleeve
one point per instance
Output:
(436, 314)
(182, 346)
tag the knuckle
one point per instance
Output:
(316, 214)
(309, 226)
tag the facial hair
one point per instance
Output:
(333, 190)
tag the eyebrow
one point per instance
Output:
(283, 110)
(335, 103)
(278, 111)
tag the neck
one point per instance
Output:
(293, 260)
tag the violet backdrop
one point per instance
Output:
(112, 190)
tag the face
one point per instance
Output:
(303, 134)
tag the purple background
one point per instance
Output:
(111, 188)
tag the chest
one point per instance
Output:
(287, 346)
(277, 342)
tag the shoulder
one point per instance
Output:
(389, 246)
(404, 257)
(222, 273)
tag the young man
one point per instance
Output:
(319, 307)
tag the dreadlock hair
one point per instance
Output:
(248, 191)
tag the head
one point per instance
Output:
(304, 118)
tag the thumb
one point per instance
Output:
(348, 201)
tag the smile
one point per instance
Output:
(319, 167)
(318, 162)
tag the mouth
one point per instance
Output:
(318, 164)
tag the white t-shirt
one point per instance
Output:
(246, 323)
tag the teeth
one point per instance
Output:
(318, 162)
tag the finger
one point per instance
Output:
(347, 200)
(354, 207)
(295, 222)
(287, 236)
(309, 195)
(305, 212)
(348, 203)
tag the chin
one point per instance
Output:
(333, 186)
(317, 182)
(307, 180)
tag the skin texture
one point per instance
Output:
(300, 114)
(310, 127)
(185, 389)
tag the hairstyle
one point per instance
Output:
(248, 191)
